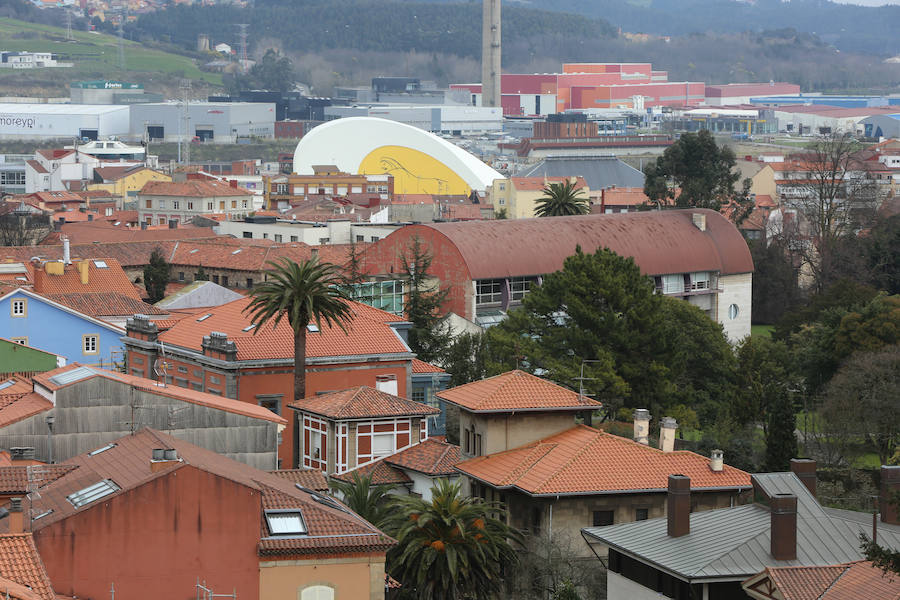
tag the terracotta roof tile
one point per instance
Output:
(20, 563)
(420, 366)
(23, 407)
(105, 304)
(23, 479)
(118, 172)
(37, 166)
(170, 391)
(101, 279)
(365, 335)
(515, 390)
(431, 457)
(106, 231)
(538, 183)
(312, 479)
(194, 188)
(360, 403)
(628, 196)
(382, 473)
(862, 580)
(583, 459)
(804, 583)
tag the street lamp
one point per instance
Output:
(50, 419)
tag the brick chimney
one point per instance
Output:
(667, 428)
(142, 328)
(890, 485)
(16, 517)
(642, 426)
(805, 470)
(783, 526)
(678, 506)
(163, 458)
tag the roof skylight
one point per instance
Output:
(72, 376)
(238, 251)
(204, 317)
(92, 493)
(312, 327)
(42, 515)
(285, 522)
(101, 450)
(101, 264)
(7, 383)
(248, 327)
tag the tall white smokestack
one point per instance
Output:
(67, 257)
(490, 54)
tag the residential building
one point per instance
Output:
(858, 579)
(28, 60)
(489, 266)
(710, 554)
(18, 358)
(521, 447)
(620, 200)
(217, 351)
(125, 182)
(520, 195)
(336, 230)
(132, 510)
(414, 470)
(346, 429)
(35, 320)
(427, 381)
(114, 308)
(61, 169)
(164, 201)
(327, 180)
(94, 276)
(84, 407)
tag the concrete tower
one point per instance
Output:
(490, 54)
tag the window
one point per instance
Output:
(190, 206)
(209, 206)
(225, 280)
(281, 189)
(215, 279)
(701, 281)
(22, 341)
(477, 444)
(502, 202)
(488, 291)
(733, 311)
(360, 238)
(249, 282)
(418, 395)
(641, 514)
(180, 275)
(89, 344)
(265, 236)
(467, 448)
(234, 204)
(277, 237)
(323, 241)
(373, 238)
(175, 204)
(92, 493)
(271, 402)
(221, 205)
(672, 284)
(148, 203)
(243, 204)
(536, 520)
(317, 592)
(18, 308)
(162, 204)
(382, 443)
(603, 517)
(285, 522)
(294, 238)
(518, 287)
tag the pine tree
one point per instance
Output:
(430, 335)
(201, 275)
(781, 442)
(156, 276)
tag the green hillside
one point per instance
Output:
(95, 56)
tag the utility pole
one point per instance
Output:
(122, 37)
(69, 25)
(185, 122)
(242, 36)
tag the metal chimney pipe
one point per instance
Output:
(678, 506)
(67, 256)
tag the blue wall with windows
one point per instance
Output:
(424, 386)
(47, 326)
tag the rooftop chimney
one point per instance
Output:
(16, 518)
(783, 523)
(667, 428)
(84, 269)
(386, 383)
(716, 461)
(143, 224)
(163, 458)
(805, 470)
(678, 506)
(67, 254)
(173, 224)
(699, 220)
(642, 426)
(890, 485)
(19, 453)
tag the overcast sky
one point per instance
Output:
(867, 2)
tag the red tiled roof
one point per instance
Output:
(22, 479)
(23, 407)
(21, 564)
(110, 278)
(54, 153)
(20, 386)
(538, 183)
(57, 197)
(360, 403)
(366, 334)
(863, 580)
(127, 463)
(170, 391)
(848, 581)
(37, 166)
(583, 459)
(420, 366)
(412, 199)
(515, 390)
(105, 231)
(106, 304)
(430, 457)
(629, 196)
(193, 188)
(115, 173)
(311, 479)
(381, 473)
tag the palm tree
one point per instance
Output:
(561, 199)
(371, 502)
(451, 547)
(305, 292)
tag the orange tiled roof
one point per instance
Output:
(848, 581)
(106, 304)
(193, 188)
(583, 459)
(628, 196)
(18, 478)
(361, 402)
(311, 479)
(380, 471)
(22, 407)
(106, 231)
(431, 457)
(118, 172)
(420, 366)
(515, 390)
(21, 564)
(367, 334)
(110, 278)
(863, 580)
(170, 391)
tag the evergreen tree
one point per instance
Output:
(201, 275)
(430, 335)
(781, 441)
(156, 276)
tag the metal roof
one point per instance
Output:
(734, 543)
(660, 242)
(598, 171)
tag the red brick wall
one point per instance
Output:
(154, 541)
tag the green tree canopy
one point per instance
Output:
(452, 547)
(156, 276)
(429, 336)
(371, 502)
(766, 370)
(560, 200)
(695, 172)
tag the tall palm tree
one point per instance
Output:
(369, 501)
(305, 292)
(561, 199)
(451, 547)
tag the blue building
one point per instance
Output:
(29, 318)
(428, 379)
(825, 100)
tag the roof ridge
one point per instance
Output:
(834, 581)
(577, 454)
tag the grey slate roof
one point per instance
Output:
(200, 294)
(598, 171)
(734, 543)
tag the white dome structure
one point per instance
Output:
(419, 161)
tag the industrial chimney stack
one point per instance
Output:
(490, 54)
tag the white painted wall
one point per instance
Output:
(736, 290)
(622, 588)
(422, 484)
